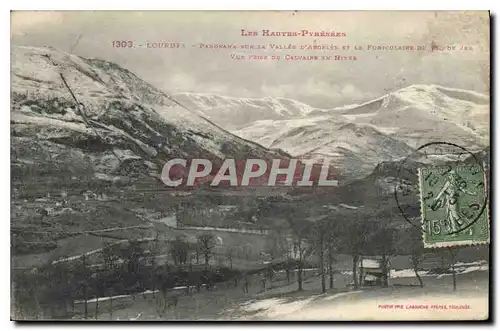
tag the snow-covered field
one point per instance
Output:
(374, 305)
(404, 299)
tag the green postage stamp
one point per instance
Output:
(453, 205)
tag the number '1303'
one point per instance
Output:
(123, 43)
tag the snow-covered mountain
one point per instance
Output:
(358, 137)
(122, 134)
(232, 112)
(428, 112)
(352, 148)
(91, 167)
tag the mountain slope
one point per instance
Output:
(357, 137)
(231, 112)
(124, 118)
(354, 149)
(427, 112)
(85, 168)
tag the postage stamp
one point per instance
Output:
(453, 205)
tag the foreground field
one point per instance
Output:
(436, 301)
(402, 300)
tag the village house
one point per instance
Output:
(370, 271)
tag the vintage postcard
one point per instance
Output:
(253, 165)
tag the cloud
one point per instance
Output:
(184, 82)
(181, 82)
(282, 90)
(319, 84)
(22, 22)
(320, 92)
(350, 91)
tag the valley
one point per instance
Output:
(88, 198)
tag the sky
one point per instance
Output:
(321, 84)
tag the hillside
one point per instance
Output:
(354, 149)
(428, 112)
(358, 137)
(86, 168)
(95, 167)
(373, 197)
(233, 112)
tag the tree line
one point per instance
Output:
(136, 267)
(354, 234)
(125, 269)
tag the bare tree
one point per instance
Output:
(154, 250)
(278, 249)
(301, 237)
(303, 247)
(332, 236)
(356, 232)
(133, 254)
(84, 273)
(179, 250)
(326, 235)
(59, 279)
(161, 304)
(229, 256)
(165, 281)
(417, 253)
(320, 239)
(109, 257)
(99, 287)
(197, 250)
(288, 261)
(207, 244)
(304, 250)
(383, 244)
(277, 246)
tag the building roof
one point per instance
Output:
(370, 263)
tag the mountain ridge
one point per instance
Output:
(234, 112)
(410, 116)
(88, 166)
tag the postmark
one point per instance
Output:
(418, 178)
(452, 204)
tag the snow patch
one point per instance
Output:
(348, 206)
(110, 178)
(339, 295)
